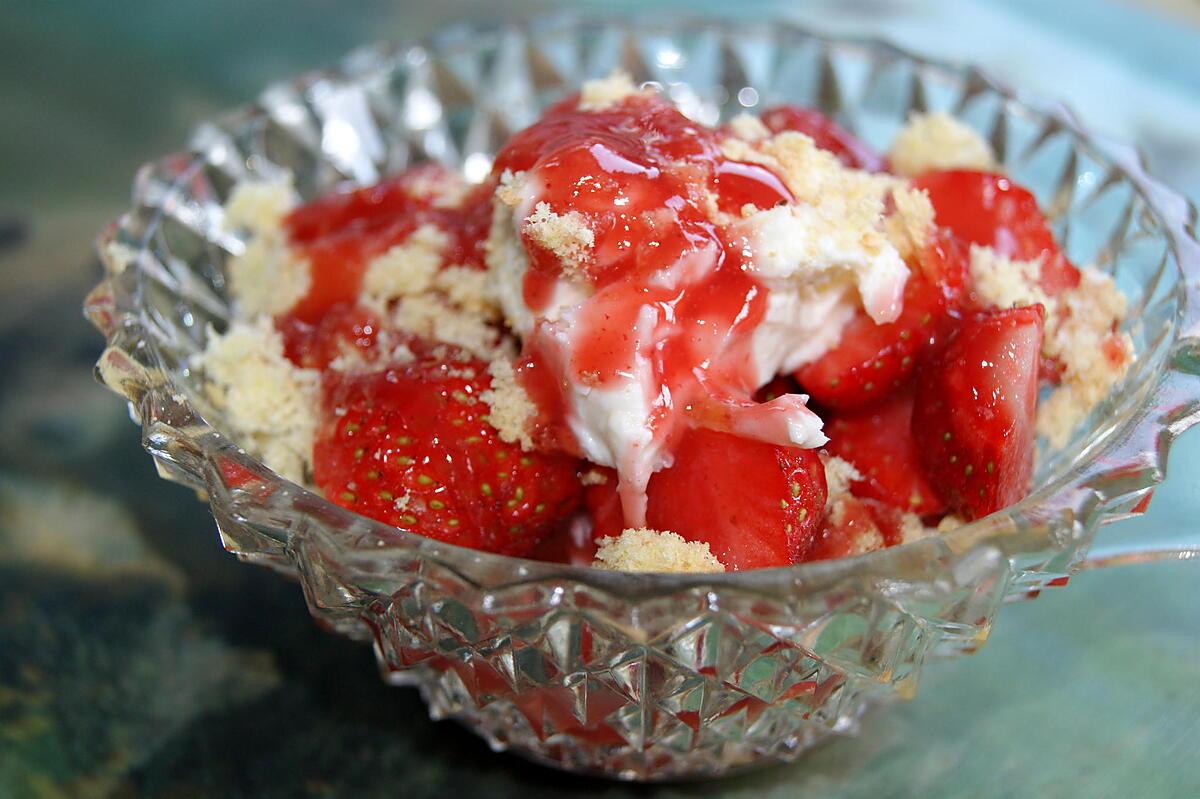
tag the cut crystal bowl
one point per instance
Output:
(642, 676)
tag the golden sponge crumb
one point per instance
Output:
(512, 411)
(597, 95)
(565, 235)
(270, 404)
(433, 317)
(467, 288)
(259, 206)
(1094, 355)
(267, 277)
(839, 474)
(936, 141)
(407, 268)
(748, 127)
(643, 550)
(909, 226)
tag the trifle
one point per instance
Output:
(644, 343)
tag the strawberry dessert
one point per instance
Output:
(643, 343)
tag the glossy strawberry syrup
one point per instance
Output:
(341, 233)
(672, 307)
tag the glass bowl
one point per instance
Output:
(642, 676)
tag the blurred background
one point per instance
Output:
(138, 659)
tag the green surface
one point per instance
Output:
(138, 659)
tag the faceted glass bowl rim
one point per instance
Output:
(1067, 499)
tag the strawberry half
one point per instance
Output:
(756, 505)
(879, 442)
(409, 446)
(872, 360)
(990, 210)
(825, 133)
(973, 412)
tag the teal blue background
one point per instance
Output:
(138, 659)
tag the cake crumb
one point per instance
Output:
(512, 411)
(748, 127)
(259, 205)
(432, 317)
(1095, 356)
(909, 225)
(511, 189)
(913, 529)
(839, 474)
(407, 268)
(931, 142)
(949, 522)
(593, 477)
(270, 404)
(467, 288)
(644, 550)
(267, 277)
(1008, 283)
(567, 235)
(602, 93)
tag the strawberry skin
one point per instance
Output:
(408, 445)
(756, 505)
(990, 210)
(973, 412)
(879, 442)
(873, 360)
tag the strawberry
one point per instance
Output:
(878, 441)
(756, 505)
(872, 360)
(408, 445)
(991, 210)
(825, 133)
(973, 411)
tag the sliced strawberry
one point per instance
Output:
(825, 133)
(409, 446)
(756, 505)
(878, 441)
(987, 209)
(974, 407)
(873, 360)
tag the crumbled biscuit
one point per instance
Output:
(643, 550)
(567, 235)
(441, 189)
(913, 529)
(950, 522)
(432, 317)
(931, 142)
(597, 95)
(1008, 283)
(748, 127)
(1094, 355)
(267, 277)
(593, 477)
(909, 225)
(512, 411)
(259, 206)
(409, 267)
(467, 288)
(839, 474)
(270, 404)
(511, 189)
